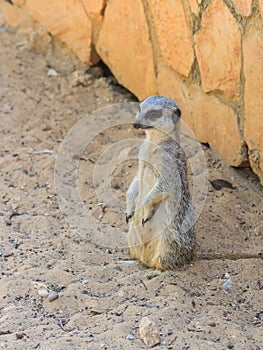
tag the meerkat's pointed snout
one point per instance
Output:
(136, 125)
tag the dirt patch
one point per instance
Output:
(102, 296)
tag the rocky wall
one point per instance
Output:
(205, 54)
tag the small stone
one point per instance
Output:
(19, 335)
(52, 73)
(53, 296)
(149, 332)
(79, 78)
(42, 293)
(170, 331)
(228, 284)
(212, 324)
(130, 337)
(85, 281)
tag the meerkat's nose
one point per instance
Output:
(136, 125)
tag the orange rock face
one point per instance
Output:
(212, 121)
(243, 7)
(253, 68)
(94, 10)
(218, 50)
(195, 6)
(124, 45)
(15, 16)
(19, 2)
(173, 34)
(94, 6)
(66, 21)
(261, 7)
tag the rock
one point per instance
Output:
(52, 73)
(173, 35)
(211, 120)
(43, 293)
(68, 23)
(14, 16)
(2, 21)
(40, 40)
(253, 69)
(130, 337)
(243, 8)
(149, 332)
(19, 335)
(170, 331)
(79, 78)
(95, 10)
(261, 7)
(124, 45)
(195, 6)
(219, 51)
(53, 296)
(19, 2)
(228, 284)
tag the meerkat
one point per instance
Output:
(159, 210)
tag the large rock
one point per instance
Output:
(173, 34)
(218, 50)
(261, 7)
(94, 6)
(19, 2)
(195, 6)
(68, 22)
(14, 16)
(124, 45)
(243, 8)
(95, 10)
(253, 70)
(212, 121)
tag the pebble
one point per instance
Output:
(228, 284)
(79, 78)
(85, 281)
(43, 293)
(52, 73)
(149, 332)
(170, 331)
(212, 324)
(130, 337)
(19, 335)
(53, 296)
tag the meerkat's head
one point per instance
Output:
(158, 113)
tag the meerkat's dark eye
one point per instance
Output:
(153, 114)
(178, 112)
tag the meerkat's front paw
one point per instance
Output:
(148, 215)
(128, 217)
(144, 221)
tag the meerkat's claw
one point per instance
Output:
(128, 217)
(144, 221)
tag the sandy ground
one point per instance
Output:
(102, 296)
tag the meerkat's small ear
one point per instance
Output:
(176, 115)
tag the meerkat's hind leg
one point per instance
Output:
(153, 273)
